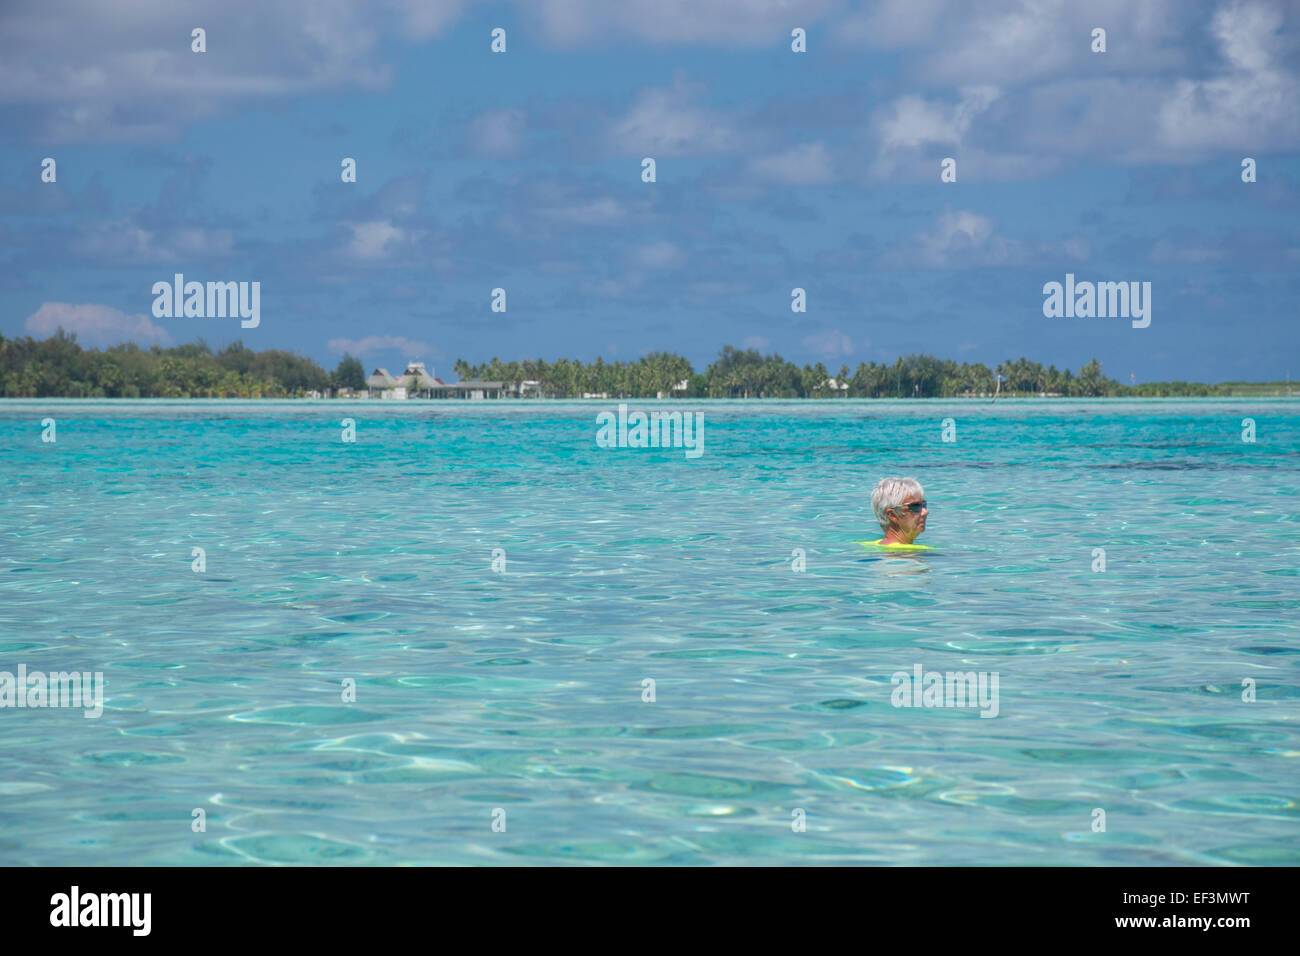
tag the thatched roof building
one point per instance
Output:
(380, 378)
(417, 379)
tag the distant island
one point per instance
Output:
(57, 367)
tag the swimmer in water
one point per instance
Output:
(899, 504)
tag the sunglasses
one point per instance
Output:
(916, 507)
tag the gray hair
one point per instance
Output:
(889, 493)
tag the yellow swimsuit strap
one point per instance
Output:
(901, 547)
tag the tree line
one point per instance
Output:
(740, 373)
(59, 367)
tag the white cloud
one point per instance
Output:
(125, 241)
(965, 239)
(909, 129)
(107, 71)
(538, 210)
(101, 70)
(676, 22)
(665, 121)
(593, 212)
(1255, 104)
(657, 255)
(1034, 97)
(828, 345)
(960, 231)
(425, 18)
(498, 134)
(1247, 33)
(95, 325)
(808, 164)
(371, 240)
(620, 288)
(711, 291)
(1166, 251)
(913, 121)
(382, 343)
(756, 342)
(963, 42)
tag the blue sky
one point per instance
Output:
(775, 170)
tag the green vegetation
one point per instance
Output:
(747, 374)
(568, 378)
(59, 367)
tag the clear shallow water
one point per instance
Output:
(522, 690)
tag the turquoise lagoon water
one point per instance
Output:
(477, 690)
